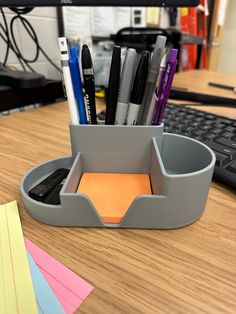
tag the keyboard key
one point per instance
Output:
(189, 128)
(209, 136)
(180, 114)
(192, 111)
(222, 149)
(221, 160)
(181, 125)
(230, 129)
(200, 114)
(220, 125)
(195, 124)
(226, 134)
(232, 167)
(225, 121)
(215, 130)
(226, 142)
(205, 127)
(209, 122)
(199, 119)
(198, 132)
(209, 116)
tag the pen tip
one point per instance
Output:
(173, 54)
(116, 48)
(132, 51)
(145, 53)
(161, 41)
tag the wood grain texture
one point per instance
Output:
(197, 81)
(188, 270)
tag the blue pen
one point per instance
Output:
(77, 85)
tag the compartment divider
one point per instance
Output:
(180, 171)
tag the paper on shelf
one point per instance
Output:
(109, 20)
(222, 12)
(153, 16)
(77, 24)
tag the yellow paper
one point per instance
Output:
(2, 302)
(7, 269)
(153, 16)
(184, 11)
(16, 289)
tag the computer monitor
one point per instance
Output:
(132, 3)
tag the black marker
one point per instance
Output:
(233, 88)
(137, 93)
(89, 84)
(113, 86)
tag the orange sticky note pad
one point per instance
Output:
(113, 193)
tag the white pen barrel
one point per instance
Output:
(74, 115)
(133, 112)
(121, 112)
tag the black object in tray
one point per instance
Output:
(47, 191)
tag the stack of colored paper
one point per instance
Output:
(113, 193)
(31, 281)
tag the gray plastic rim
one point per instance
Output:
(171, 209)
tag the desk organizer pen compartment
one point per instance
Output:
(180, 171)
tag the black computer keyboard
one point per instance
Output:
(217, 132)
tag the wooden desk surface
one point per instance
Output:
(188, 270)
(197, 81)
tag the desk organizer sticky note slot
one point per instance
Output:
(180, 171)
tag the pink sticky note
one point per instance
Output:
(70, 289)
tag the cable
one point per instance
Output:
(21, 10)
(6, 39)
(5, 31)
(11, 42)
(32, 34)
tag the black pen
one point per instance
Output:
(113, 86)
(138, 89)
(233, 88)
(89, 84)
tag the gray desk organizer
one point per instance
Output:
(180, 171)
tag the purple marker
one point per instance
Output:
(165, 87)
(158, 92)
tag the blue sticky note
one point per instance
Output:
(46, 299)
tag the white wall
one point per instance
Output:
(227, 62)
(44, 22)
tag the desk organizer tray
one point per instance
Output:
(180, 171)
